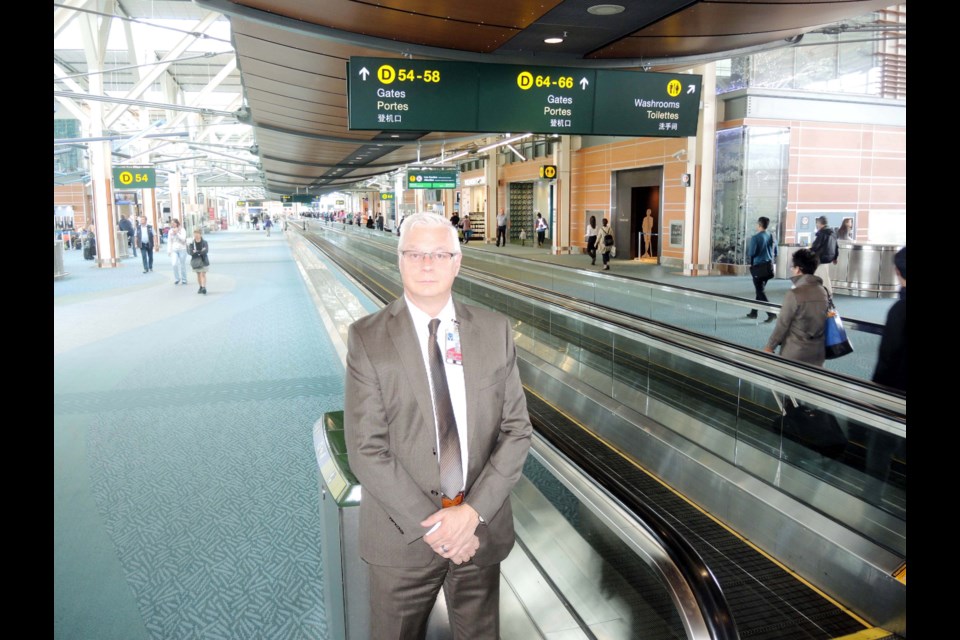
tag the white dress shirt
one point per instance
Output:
(455, 384)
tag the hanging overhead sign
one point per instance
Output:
(134, 177)
(427, 178)
(395, 94)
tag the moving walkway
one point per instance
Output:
(669, 426)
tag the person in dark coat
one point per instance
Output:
(891, 367)
(799, 331)
(825, 247)
(126, 225)
(761, 252)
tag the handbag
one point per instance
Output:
(613, 251)
(608, 239)
(762, 271)
(835, 338)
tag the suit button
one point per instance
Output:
(433, 493)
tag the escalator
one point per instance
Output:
(765, 600)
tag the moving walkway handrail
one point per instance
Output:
(850, 323)
(706, 590)
(873, 405)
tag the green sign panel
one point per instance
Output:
(423, 178)
(388, 94)
(301, 198)
(134, 177)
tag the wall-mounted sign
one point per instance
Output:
(241, 203)
(473, 182)
(386, 195)
(548, 171)
(676, 233)
(426, 178)
(416, 95)
(685, 180)
(135, 177)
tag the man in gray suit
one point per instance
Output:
(437, 442)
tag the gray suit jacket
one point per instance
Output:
(391, 436)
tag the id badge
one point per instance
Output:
(452, 352)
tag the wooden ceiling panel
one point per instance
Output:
(451, 24)
(709, 27)
(286, 91)
(294, 76)
(303, 42)
(283, 56)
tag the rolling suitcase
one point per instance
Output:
(814, 428)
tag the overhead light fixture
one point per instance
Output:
(553, 40)
(503, 142)
(605, 9)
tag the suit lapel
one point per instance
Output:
(405, 341)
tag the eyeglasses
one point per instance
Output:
(435, 256)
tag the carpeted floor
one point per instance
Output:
(186, 502)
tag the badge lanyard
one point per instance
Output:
(451, 352)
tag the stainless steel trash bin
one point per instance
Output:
(865, 270)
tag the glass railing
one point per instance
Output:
(703, 312)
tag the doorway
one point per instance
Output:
(643, 231)
(635, 191)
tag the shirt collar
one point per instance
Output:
(421, 319)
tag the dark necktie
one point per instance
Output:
(451, 467)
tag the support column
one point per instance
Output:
(492, 177)
(701, 154)
(94, 44)
(562, 158)
(176, 207)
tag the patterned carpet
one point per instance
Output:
(186, 502)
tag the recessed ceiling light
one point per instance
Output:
(553, 40)
(605, 9)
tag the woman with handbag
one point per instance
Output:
(760, 254)
(199, 261)
(800, 327)
(605, 242)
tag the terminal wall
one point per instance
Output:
(857, 169)
(74, 195)
(591, 180)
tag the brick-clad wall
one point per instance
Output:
(591, 175)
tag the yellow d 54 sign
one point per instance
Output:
(548, 171)
(135, 178)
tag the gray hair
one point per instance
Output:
(430, 221)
